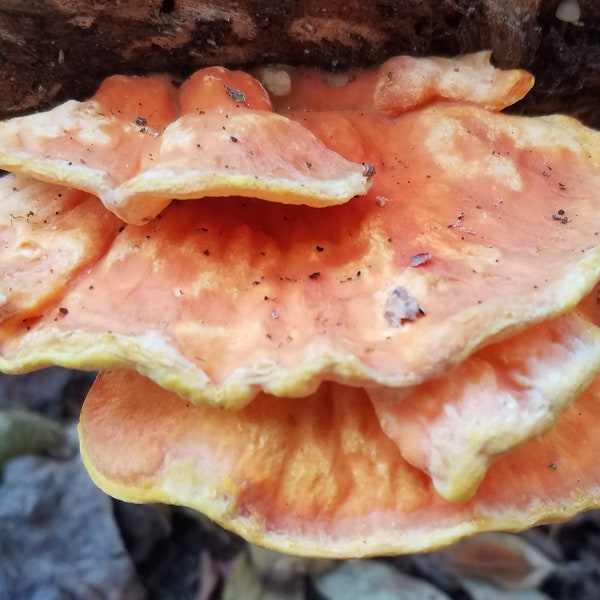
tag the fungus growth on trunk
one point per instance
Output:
(372, 325)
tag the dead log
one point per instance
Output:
(51, 50)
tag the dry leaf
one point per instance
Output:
(508, 560)
(373, 580)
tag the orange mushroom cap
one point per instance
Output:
(42, 244)
(455, 426)
(401, 84)
(127, 146)
(219, 300)
(410, 82)
(319, 477)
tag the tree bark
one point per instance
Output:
(51, 50)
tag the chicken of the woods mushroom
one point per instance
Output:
(341, 314)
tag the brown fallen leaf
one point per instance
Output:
(507, 560)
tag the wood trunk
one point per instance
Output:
(51, 50)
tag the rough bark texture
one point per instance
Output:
(51, 50)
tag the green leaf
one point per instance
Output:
(23, 432)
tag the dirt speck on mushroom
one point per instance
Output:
(400, 307)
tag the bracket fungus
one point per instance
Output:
(364, 330)
(137, 144)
